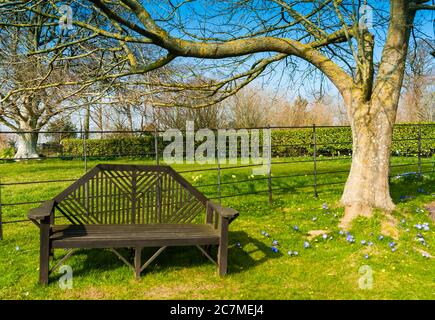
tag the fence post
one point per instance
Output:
(269, 164)
(315, 159)
(1, 211)
(419, 150)
(156, 146)
(219, 176)
(85, 159)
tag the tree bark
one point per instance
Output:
(87, 122)
(27, 146)
(367, 186)
(372, 119)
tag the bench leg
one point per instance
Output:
(137, 262)
(223, 249)
(208, 248)
(222, 260)
(44, 255)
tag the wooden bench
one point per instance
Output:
(129, 206)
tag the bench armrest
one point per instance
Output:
(42, 212)
(224, 212)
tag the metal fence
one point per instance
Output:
(423, 162)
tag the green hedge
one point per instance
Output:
(285, 143)
(338, 141)
(124, 146)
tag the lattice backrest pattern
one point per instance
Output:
(126, 194)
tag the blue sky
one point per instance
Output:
(280, 82)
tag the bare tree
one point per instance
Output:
(333, 36)
(31, 90)
(418, 100)
(299, 112)
(208, 117)
(249, 108)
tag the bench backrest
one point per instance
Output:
(131, 194)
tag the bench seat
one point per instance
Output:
(132, 235)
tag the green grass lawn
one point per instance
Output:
(328, 269)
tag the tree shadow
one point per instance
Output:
(409, 188)
(240, 259)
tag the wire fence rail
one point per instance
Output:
(155, 155)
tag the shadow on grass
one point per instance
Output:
(409, 188)
(239, 259)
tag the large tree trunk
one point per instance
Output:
(367, 186)
(372, 114)
(27, 146)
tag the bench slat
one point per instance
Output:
(90, 236)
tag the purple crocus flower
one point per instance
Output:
(350, 238)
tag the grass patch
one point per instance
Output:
(328, 269)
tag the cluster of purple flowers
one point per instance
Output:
(275, 244)
(392, 245)
(350, 238)
(424, 226)
(421, 239)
